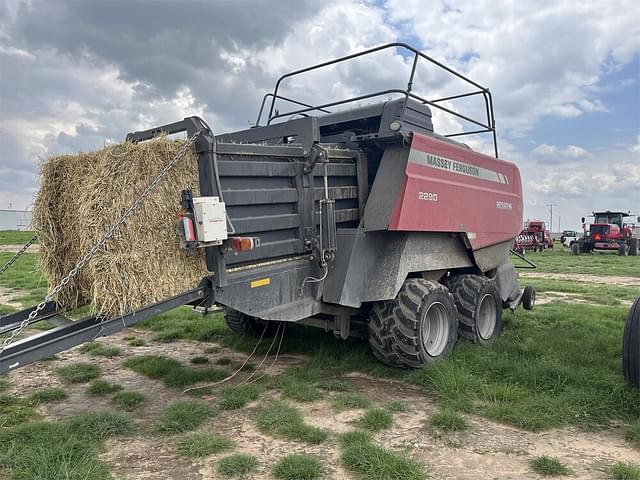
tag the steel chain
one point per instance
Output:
(102, 241)
(17, 255)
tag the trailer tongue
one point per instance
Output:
(364, 222)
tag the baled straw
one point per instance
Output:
(82, 195)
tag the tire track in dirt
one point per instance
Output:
(17, 248)
(586, 278)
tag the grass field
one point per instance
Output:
(557, 366)
(560, 260)
(13, 237)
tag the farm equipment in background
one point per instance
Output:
(362, 221)
(569, 237)
(609, 232)
(534, 237)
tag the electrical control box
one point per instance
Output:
(211, 220)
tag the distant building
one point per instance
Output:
(15, 220)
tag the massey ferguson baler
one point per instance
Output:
(362, 221)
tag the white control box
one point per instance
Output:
(211, 220)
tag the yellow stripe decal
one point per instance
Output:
(260, 283)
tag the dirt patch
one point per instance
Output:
(16, 248)
(548, 297)
(585, 278)
(566, 297)
(8, 297)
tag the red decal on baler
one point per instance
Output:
(466, 191)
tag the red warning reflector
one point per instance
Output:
(242, 244)
(189, 231)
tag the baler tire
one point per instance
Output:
(575, 248)
(529, 297)
(631, 346)
(396, 327)
(623, 250)
(244, 324)
(380, 320)
(634, 247)
(470, 292)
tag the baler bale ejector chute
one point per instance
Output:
(361, 221)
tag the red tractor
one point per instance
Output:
(534, 237)
(609, 232)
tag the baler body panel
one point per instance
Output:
(448, 188)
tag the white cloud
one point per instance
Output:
(539, 58)
(74, 85)
(554, 154)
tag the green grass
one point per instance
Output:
(223, 361)
(298, 467)
(237, 465)
(624, 471)
(62, 450)
(24, 275)
(183, 415)
(397, 406)
(102, 387)
(4, 309)
(4, 384)
(298, 390)
(330, 358)
(136, 342)
(355, 437)
(232, 398)
(367, 461)
(595, 293)
(376, 419)
(279, 419)
(171, 372)
(44, 395)
(199, 445)
(350, 401)
(199, 360)
(15, 410)
(100, 349)
(334, 385)
(449, 421)
(555, 366)
(549, 466)
(560, 260)
(15, 237)
(632, 434)
(79, 372)
(102, 425)
(128, 400)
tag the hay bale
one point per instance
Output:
(82, 195)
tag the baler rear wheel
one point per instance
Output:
(479, 307)
(631, 346)
(244, 324)
(417, 327)
(634, 247)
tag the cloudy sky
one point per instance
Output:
(565, 76)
